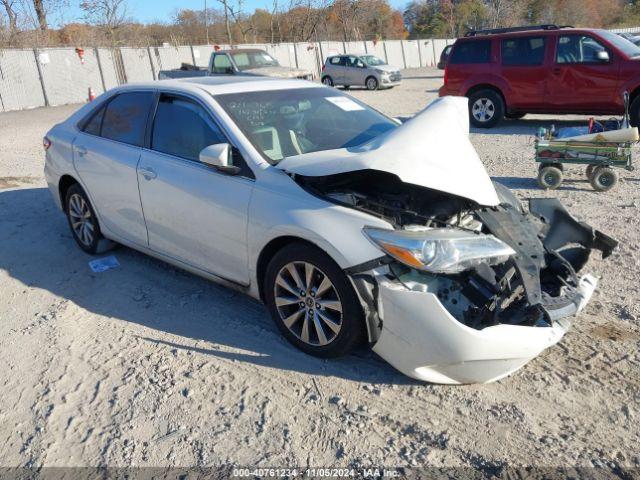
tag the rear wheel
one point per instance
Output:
(604, 179)
(82, 219)
(486, 108)
(327, 80)
(550, 177)
(312, 302)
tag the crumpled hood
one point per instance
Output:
(279, 72)
(431, 150)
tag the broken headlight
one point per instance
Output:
(440, 250)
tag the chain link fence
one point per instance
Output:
(40, 77)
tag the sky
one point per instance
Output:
(147, 11)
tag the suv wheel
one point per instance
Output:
(312, 301)
(486, 108)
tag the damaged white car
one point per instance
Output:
(348, 225)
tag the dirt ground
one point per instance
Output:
(146, 365)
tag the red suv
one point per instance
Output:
(543, 69)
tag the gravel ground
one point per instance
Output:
(146, 365)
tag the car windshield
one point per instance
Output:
(247, 60)
(286, 123)
(372, 60)
(622, 44)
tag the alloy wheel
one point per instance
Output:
(308, 303)
(81, 219)
(483, 109)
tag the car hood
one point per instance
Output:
(385, 68)
(431, 150)
(279, 72)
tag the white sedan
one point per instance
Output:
(348, 225)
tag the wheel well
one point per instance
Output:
(65, 182)
(634, 94)
(267, 253)
(487, 86)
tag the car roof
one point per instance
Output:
(241, 50)
(526, 33)
(216, 85)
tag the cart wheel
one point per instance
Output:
(550, 178)
(590, 169)
(604, 178)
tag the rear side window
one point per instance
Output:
(523, 51)
(183, 128)
(335, 61)
(477, 51)
(94, 124)
(125, 117)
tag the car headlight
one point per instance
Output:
(381, 72)
(440, 250)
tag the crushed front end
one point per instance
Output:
(467, 321)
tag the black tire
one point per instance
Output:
(550, 178)
(514, 116)
(371, 83)
(486, 108)
(604, 179)
(589, 171)
(327, 81)
(74, 193)
(634, 112)
(351, 332)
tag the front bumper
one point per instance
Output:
(424, 341)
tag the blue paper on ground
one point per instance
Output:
(104, 264)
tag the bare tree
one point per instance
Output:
(108, 14)
(226, 9)
(38, 6)
(11, 15)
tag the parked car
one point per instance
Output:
(361, 70)
(444, 56)
(543, 69)
(241, 62)
(348, 225)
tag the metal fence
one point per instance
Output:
(41, 77)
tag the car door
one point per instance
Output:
(193, 212)
(337, 69)
(354, 74)
(523, 66)
(580, 81)
(106, 154)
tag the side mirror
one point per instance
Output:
(218, 156)
(602, 56)
(229, 71)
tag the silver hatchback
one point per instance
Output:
(367, 70)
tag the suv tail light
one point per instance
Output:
(446, 74)
(46, 143)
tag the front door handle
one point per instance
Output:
(557, 71)
(82, 151)
(148, 173)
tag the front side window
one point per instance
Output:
(523, 51)
(222, 64)
(354, 62)
(284, 123)
(248, 60)
(123, 119)
(578, 49)
(183, 128)
(373, 61)
(476, 51)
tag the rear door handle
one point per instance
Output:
(148, 173)
(82, 151)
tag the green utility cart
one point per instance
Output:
(599, 157)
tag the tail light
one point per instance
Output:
(446, 74)
(46, 143)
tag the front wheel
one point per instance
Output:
(371, 83)
(486, 108)
(312, 301)
(550, 178)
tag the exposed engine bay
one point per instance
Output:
(534, 287)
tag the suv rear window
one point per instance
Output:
(523, 51)
(477, 51)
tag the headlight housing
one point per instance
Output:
(440, 250)
(381, 72)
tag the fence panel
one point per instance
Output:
(426, 52)
(108, 66)
(394, 53)
(283, 52)
(357, 48)
(137, 65)
(308, 55)
(411, 53)
(66, 77)
(20, 85)
(331, 48)
(376, 48)
(439, 45)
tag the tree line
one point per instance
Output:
(28, 23)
